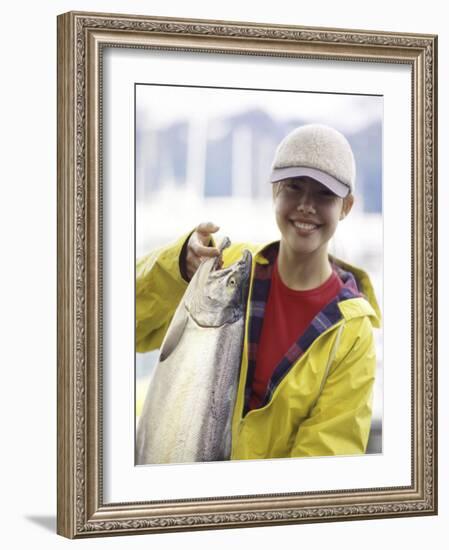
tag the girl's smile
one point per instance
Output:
(305, 226)
(307, 214)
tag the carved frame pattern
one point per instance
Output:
(81, 37)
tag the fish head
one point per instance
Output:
(221, 294)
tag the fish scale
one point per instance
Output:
(216, 435)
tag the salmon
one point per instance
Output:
(190, 400)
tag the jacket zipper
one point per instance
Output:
(332, 355)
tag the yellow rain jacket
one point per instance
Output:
(322, 405)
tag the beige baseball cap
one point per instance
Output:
(319, 152)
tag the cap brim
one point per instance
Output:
(340, 189)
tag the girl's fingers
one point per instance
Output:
(206, 228)
(199, 249)
(200, 239)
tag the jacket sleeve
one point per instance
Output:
(159, 289)
(339, 422)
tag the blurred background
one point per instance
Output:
(204, 154)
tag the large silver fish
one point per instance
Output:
(190, 400)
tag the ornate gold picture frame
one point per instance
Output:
(83, 511)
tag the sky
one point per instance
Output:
(347, 112)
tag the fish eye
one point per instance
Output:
(232, 281)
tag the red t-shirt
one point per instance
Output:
(287, 315)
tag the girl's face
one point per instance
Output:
(307, 214)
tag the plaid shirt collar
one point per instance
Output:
(326, 318)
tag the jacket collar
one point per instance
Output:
(357, 285)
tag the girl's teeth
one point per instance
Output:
(304, 225)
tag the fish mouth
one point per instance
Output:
(242, 266)
(225, 243)
(246, 271)
(245, 262)
(217, 262)
(246, 258)
(229, 303)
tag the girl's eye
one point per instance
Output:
(292, 188)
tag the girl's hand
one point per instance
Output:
(197, 249)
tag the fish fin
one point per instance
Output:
(174, 333)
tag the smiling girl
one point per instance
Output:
(308, 362)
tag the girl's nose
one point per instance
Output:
(307, 208)
(306, 202)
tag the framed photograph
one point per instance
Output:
(194, 154)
